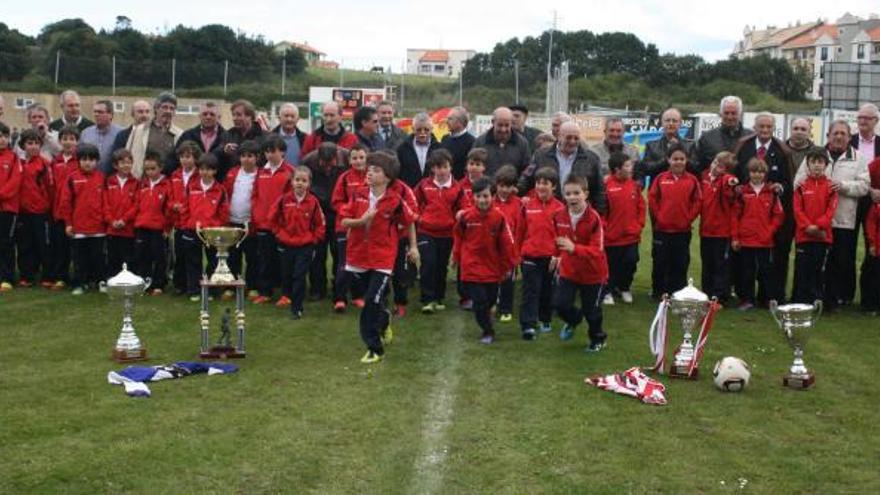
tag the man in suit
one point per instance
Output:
(459, 141)
(414, 151)
(392, 136)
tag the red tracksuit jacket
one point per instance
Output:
(438, 206)
(346, 185)
(872, 227)
(483, 246)
(177, 191)
(36, 186)
(587, 265)
(674, 202)
(61, 168)
(512, 210)
(625, 212)
(718, 197)
(10, 181)
(120, 203)
(205, 207)
(314, 140)
(268, 187)
(153, 203)
(82, 202)
(374, 247)
(756, 216)
(814, 204)
(297, 223)
(536, 226)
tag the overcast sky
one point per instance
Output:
(362, 34)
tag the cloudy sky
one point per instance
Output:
(363, 34)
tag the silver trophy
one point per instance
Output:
(691, 306)
(796, 321)
(126, 285)
(221, 238)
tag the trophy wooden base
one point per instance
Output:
(129, 356)
(222, 352)
(799, 382)
(681, 371)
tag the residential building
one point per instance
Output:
(440, 63)
(314, 57)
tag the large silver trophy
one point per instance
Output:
(691, 306)
(221, 238)
(126, 285)
(796, 322)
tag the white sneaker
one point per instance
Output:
(627, 296)
(608, 300)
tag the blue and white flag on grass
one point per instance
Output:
(134, 378)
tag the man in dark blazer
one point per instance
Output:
(392, 136)
(413, 152)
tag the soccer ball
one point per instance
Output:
(731, 374)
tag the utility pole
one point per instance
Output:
(114, 75)
(57, 65)
(283, 72)
(516, 79)
(550, 62)
(225, 75)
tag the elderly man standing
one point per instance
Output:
(654, 161)
(568, 157)
(799, 142)
(293, 137)
(849, 176)
(868, 145)
(556, 122)
(38, 118)
(140, 112)
(520, 117)
(459, 141)
(330, 131)
(413, 152)
(613, 142)
(723, 138)
(392, 135)
(71, 112)
(503, 145)
(103, 133)
(160, 134)
(209, 135)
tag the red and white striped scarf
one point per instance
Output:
(634, 383)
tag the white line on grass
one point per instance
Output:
(428, 475)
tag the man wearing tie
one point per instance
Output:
(391, 135)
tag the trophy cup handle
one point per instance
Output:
(247, 228)
(773, 305)
(147, 283)
(818, 312)
(199, 233)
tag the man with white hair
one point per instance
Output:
(504, 145)
(413, 152)
(288, 115)
(459, 141)
(612, 143)
(71, 109)
(724, 137)
(654, 161)
(866, 141)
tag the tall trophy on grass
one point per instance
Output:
(221, 239)
(126, 285)
(796, 321)
(693, 308)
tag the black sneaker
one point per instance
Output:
(296, 315)
(595, 347)
(528, 334)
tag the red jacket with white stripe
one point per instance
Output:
(374, 246)
(483, 246)
(297, 223)
(625, 211)
(269, 186)
(674, 202)
(348, 182)
(82, 202)
(718, 197)
(153, 202)
(536, 230)
(10, 181)
(756, 216)
(61, 168)
(120, 203)
(438, 206)
(512, 210)
(177, 200)
(37, 187)
(587, 265)
(814, 204)
(205, 207)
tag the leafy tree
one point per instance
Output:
(15, 61)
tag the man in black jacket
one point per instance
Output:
(723, 138)
(504, 145)
(392, 136)
(141, 111)
(459, 141)
(413, 152)
(71, 113)
(245, 127)
(520, 117)
(654, 161)
(209, 135)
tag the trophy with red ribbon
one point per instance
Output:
(692, 307)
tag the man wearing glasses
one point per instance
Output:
(654, 161)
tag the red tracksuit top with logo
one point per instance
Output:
(587, 265)
(483, 246)
(438, 206)
(872, 227)
(374, 246)
(205, 207)
(625, 211)
(814, 204)
(347, 183)
(756, 216)
(718, 197)
(82, 201)
(269, 185)
(511, 208)
(61, 167)
(10, 181)
(297, 223)
(37, 187)
(153, 203)
(674, 202)
(177, 190)
(536, 226)
(120, 203)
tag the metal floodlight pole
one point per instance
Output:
(57, 65)
(225, 75)
(283, 72)
(550, 62)
(114, 75)
(516, 79)
(461, 84)
(173, 74)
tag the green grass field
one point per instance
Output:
(442, 414)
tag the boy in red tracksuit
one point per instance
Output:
(624, 220)
(757, 215)
(581, 263)
(719, 193)
(372, 217)
(33, 219)
(674, 202)
(298, 225)
(871, 294)
(10, 186)
(82, 209)
(207, 205)
(188, 153)
(152, 224)
(59, 244)
(510, 205)
(440, 197)
(815, 202)
(272, 181)
(349, 181)
(474, 169)
(239, 184)
(483, 249)
(120, 209)
(537, 247)
(407, 262)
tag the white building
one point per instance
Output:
(440, 63)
